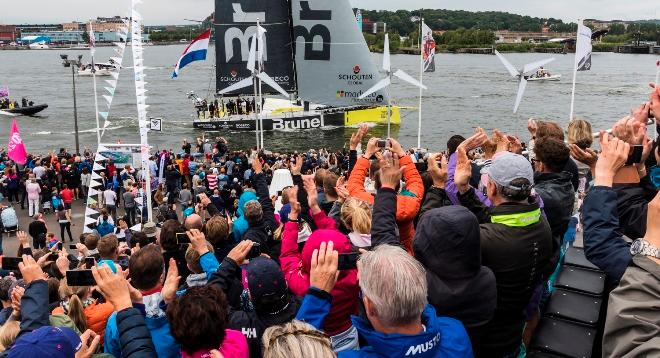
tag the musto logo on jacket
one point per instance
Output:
(423, 347)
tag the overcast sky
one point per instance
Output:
(175, 11)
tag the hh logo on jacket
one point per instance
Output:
(423, 347)
(249, 332)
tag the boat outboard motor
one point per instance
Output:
(306, 106)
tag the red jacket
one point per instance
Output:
(407, 206)
(296, 267)
(67, 195)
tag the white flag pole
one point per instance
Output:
(577, 36)
(657, 72)
(421, 76)
(92, 50)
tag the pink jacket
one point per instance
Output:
(234, 345)
(296, 267)
(33, 191)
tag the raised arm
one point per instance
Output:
(383, 227)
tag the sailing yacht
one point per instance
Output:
(312, 49)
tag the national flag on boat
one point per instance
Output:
(196, 51)
(4, 92)
(92, 40)
(583, 48)
(428, 48)
(15, 147)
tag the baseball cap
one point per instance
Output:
(149, 229)
(507, 167)
(266, 282)
(47, 341)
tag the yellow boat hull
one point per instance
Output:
(371, 115)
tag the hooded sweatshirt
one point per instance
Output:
(447, 243)
(240, 224)
(296, 267)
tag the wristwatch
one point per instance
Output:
(644, 248)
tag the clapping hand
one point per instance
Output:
(292, 194)
(240, 251)
(356, 137)
(463, 171)
(342, 189)
(198, 241)
(297, 166)
(613, 156)
(171, 282)
(30, 270)
(324, 267)
(114, 287)
(438, 168)
(390, 171)
(312, 194)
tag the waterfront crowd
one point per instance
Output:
(373, 251)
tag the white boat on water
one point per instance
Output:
(102, 69)
(38, 46)
(545, 78)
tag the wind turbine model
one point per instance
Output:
(258, 76)
(387, 81)
(522, 79)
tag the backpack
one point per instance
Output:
(105, 228)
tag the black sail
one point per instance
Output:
(235, 23)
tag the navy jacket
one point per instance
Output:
(603, 244)
(442, 337)
(134, 336)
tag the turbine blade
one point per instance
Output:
(252, 55)
(386, 54)
(377, 87)
(269, 81)
(521, 91)
(260, 34)
(509, 67)
(530, 67)
(238, 85)
(406, 77)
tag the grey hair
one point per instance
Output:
(395, 283)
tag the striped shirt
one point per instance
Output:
(212, 180)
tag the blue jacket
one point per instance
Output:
(159, 327)
(442, 337)
(240, 224)
(603, 245)
(134, 336)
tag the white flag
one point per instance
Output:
(428, 48)
(583, 48)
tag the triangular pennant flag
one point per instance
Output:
(114, 75)
(91, 201)
(89, 211)
(107, 98)
(99, 157)
(95, 175)
(94, 184)
(136, 227)
(103, 114)
(93, 191)
(110, 90)
(98, 166)
(89, 220)
(112, 83)
(106, 124)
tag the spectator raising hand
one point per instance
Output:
(240, 251)
(31, 270)
(172, 281)
(614, 154)
(463, 170)
(292, 193)
(324, 267)
(438, 168)
(114, 287)
(391, 172)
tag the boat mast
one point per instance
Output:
(260, 69)
(421, 75)
(92, 51)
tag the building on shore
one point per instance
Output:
(506, 36)
(8, 33)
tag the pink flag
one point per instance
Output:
(16, 148)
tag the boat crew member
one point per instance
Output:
(24, 102)
(212, 110)
(239, 105)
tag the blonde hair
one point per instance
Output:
(296, 339)
(579, 133)
(75, 296)
(356, 215)
(8, 333)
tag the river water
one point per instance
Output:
(465, 91)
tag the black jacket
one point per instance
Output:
(519, 252)
(632, 202)
(558, 196)
(447, 243)
(37, 229)
(383, 219)
(262, 232)
(134, 336)
(252, 325)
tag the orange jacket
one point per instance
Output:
(97, 316)
(407, 206)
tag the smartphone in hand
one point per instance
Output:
(348, 261)
(80, 278)
(11, 263)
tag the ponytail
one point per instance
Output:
(356, 215)
(76, 309)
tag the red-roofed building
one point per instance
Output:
(8, 33)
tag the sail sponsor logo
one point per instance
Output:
(356, 69)
(301, 123)
(355, 96)
(355, 78)
(313, 32)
